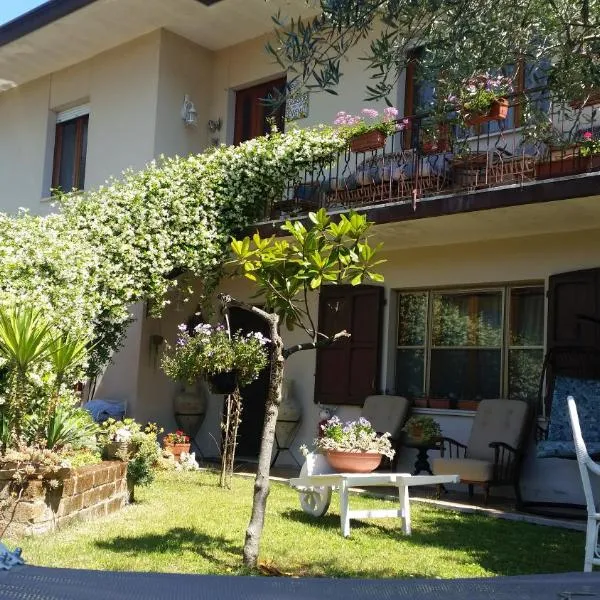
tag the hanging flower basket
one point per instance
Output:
(366, 142)
(353, 462)
(497, 111)
(224, 382)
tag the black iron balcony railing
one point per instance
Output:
(423, 160)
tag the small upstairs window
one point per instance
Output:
(70, 147)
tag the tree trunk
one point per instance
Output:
(261, 484)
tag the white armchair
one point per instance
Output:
(587, 468)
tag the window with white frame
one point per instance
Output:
(462, 345)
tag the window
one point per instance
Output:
(465, 345)
(531, 78)
(70, 147)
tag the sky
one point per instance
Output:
(9, 9)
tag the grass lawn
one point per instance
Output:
(185, 523)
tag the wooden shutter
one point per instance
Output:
(574, 299)
(348, 371)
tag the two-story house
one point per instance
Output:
(474, 241)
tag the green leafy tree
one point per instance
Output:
(461, 39)
(285, 272)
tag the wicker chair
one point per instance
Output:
(587, 468)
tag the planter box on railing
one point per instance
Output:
(366, 142)
(35, 506)
(567, 161)
(497, 111)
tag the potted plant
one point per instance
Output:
(353, 446)
(421, 428)
(369, 130)
(226, 361)
(435, 138)
(176, 443)
(567, 157)
(481, 99)
(115, 438)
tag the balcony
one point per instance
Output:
(464, 169)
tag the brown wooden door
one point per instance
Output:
(348, 371)
(573, 303)
(252, 116)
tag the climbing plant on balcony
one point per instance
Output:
(128, 240)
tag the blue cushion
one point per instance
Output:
(564, 449)
(560, 437)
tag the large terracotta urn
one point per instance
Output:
(189, 408)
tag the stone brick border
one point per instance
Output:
(84, 493)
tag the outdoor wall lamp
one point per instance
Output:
(189, 114)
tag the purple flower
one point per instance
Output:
(182, 327)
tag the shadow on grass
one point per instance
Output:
(499, 546)
(216, 549)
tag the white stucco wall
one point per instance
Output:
(247, 64)
(120, 85)
(185, 68)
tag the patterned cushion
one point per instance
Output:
(564, 449)
(560, 438)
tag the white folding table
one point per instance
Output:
(315, 493)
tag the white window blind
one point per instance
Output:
(72, 113)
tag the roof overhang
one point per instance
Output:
(61, 33)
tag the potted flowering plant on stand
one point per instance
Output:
(176, 443)
(369, 130)
(481, 99)
(225, 360)
(352, 446)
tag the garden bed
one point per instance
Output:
(54, 500)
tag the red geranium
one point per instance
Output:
(179, 437)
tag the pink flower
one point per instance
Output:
(390, 113)
(369, 112)
(587, 136)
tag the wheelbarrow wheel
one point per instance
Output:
(315, 501)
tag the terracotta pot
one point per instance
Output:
(365, 142)
(468, 404)
(224, 382)
(498, 111)
(434, 147)
(177, 449)
(439, 145)
(420, 402)
(353, 462)
(570, 164)
(438, 403)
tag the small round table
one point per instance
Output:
(423, 447)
